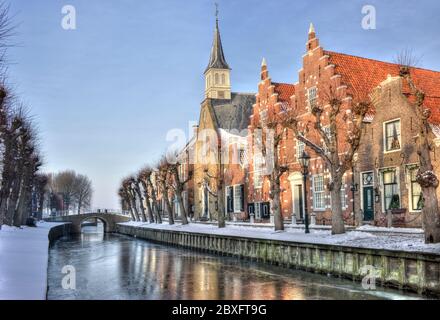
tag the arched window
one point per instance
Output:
(223, 78)
(216, 78)
(209, 80)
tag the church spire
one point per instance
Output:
(217, 59)
(217, 74)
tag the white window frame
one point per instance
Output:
(258, 171)
(309, 99)
(237, 207)
(257, 212)
(409, 168)
(384, 133)
(300, 147)
(321, 192)
(382, 186)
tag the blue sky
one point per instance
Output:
(105, 95)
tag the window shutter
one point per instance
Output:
(242, 197)
(230, 200)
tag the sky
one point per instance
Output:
(105, 95)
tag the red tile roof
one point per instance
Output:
(284, 90)
(361, 74)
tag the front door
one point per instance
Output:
(368, 204)
(368, 196)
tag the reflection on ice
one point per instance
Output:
(119, 267)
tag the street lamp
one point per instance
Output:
(304, 161)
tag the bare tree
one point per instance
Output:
(64, 184)
(164, 180)
(338, 158)
(82, 192)
(41, 183)
(178, 186)
(131, 196)
(272, 130)
(143, 179)
(125, 202)
(137, 189)
(425, 176)
(147, 177)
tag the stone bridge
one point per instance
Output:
(108, 219)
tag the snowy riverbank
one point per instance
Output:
(23, 261)
(365, 237)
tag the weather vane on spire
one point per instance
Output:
(216, 10)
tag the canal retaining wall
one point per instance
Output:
(59, 231)
(419, 272)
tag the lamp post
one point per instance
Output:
(304, 161)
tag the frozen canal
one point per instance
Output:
(120, 267)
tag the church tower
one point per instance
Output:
(217, 74)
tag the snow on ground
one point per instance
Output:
(23, 261)
(397, 241)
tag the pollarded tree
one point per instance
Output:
(146, 177)
(164, 182)
(425, 177)
(41, 182)
(337, 155)
(272, 129)
(127, 184)
(137, 190)
(178, 185)
(125, 202)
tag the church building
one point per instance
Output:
(220, 150)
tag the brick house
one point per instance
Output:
(270, 98)
(319, 77)
(388, 161)
(383, 176)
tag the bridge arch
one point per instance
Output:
(104, 221)
(110, 220)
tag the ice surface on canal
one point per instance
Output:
(120, 267)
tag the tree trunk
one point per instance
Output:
(431, 223)
(12, 202)
(336, 205)
(155, 207)
(79, 206)
(149, 209)
(181, 206)
(130, 208)
(275, 194)
(429, 183)
(276, 210)
(168, 207)
(147, 201)
(221, 206)
(135, 210)
(141, 202)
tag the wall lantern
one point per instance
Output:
(376, 195)
(354, 187)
